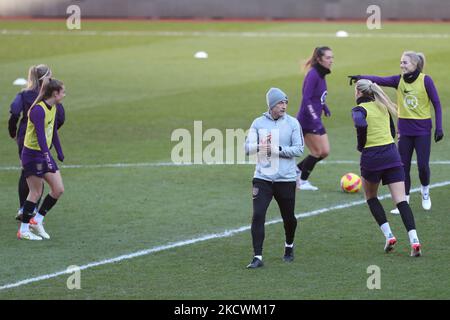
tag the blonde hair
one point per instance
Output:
(36, 74)
(417, 59)
(372, 90)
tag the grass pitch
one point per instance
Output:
(129, 85)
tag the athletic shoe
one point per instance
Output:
(426, 201)
(395, 211)
(38, 229)
(256, 263)
(288, 254)
(27, 236)
(306, 185)
(390, 243)
(416, 250)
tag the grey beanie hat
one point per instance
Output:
(274, 96)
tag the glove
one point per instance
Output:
(49, 162)
(438, 135)
(326, 111)
(353, 79)
(61, 157)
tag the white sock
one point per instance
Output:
(303, 181)
(413, 236)
(407, 198)
(386, 229)
(39, 218)
(258, 257)
(289, 245)
(425, 190)
(24, 227)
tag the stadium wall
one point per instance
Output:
(231, 9)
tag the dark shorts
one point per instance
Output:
(387, 176)
(319, 131)
(34, 164)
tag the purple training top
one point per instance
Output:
(314, 93)
(413, 127)
(20, 106)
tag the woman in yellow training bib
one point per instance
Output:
(415, 94)
(37, 162)
(380, 160)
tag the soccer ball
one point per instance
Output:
(351, 182)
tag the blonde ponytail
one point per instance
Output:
(33, 81)
(373, 91)
(383, 100)
(36, 74)
(421, 63)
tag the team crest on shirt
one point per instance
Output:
(255, 192)
(39, 167)
(410, 102)
(323, 98)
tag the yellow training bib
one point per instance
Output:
(412, 99)
(31, 141)
(378, 125)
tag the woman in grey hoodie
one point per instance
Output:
(276, 138)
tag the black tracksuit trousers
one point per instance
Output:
(284, 194)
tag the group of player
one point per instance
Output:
(40, 112)
(36, 114)
(381, 159)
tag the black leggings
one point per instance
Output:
(24, 190)
(422, 145)
(284, 194)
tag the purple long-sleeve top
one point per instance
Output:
(413, 127)
(37, 117)
(20, 106)
(314, 92)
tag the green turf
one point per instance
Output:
(125, 96)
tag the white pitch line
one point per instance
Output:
(172, 164)
(227, 233)
(224, 34)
